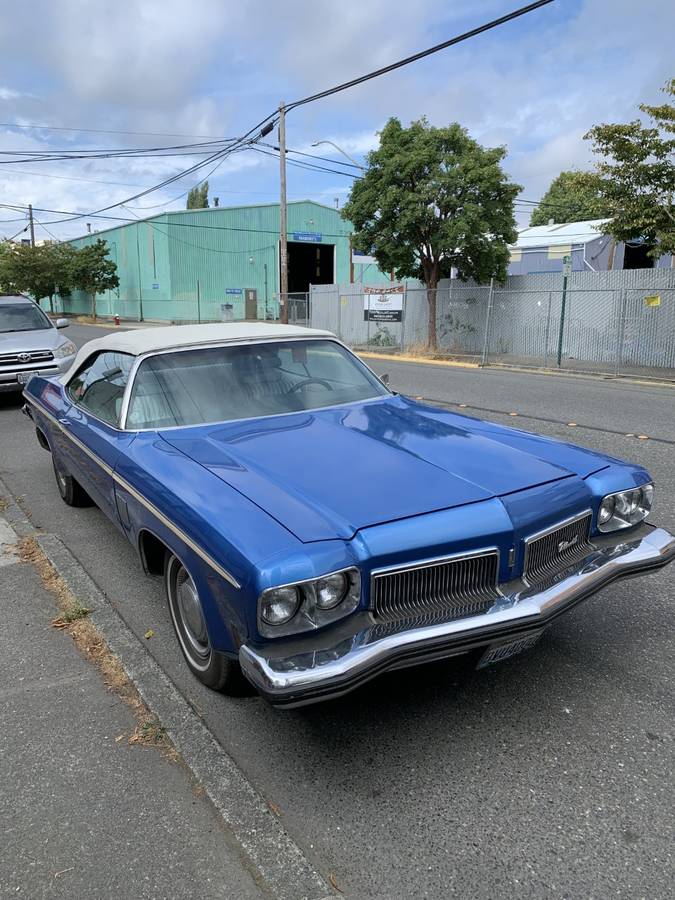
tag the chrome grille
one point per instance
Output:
(455, 587)
(550, 552)
(34, 356)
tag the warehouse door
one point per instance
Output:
(309, 264)
(251, 309)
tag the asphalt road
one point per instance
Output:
(549, 775)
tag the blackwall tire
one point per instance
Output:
(72, 493)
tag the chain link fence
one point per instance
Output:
(621, 330)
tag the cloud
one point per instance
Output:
(9, 94)
(215, 67)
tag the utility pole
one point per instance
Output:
(283, 225)
(32, 226)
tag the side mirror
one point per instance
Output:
(385, 379)
(62, 323)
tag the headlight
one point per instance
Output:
(625, 508)
(330, 590)
(306, 605)
(279, 605)
(64, 350)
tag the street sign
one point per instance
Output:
(363, 259)
(567, 266)
(311, 237)
(233, 291)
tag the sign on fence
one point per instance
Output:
(653, 300)
(383, 304)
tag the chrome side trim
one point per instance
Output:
(434, 561)
(289, 674)
(209, 560)
(552, 528)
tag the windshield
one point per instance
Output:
(22, 317)
(219, 384)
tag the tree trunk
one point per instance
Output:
(432, 287)
(51, 303)
(93, 306)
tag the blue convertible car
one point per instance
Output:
(314, 529)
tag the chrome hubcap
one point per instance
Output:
(190, 610)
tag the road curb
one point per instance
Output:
(282, 865)
(642, 380)
(280, 862)
(423, 360)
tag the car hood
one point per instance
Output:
(20, 341)
(327, 473)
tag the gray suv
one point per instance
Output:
(29, 343)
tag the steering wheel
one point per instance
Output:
(306, 381)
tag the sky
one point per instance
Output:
(178, 72)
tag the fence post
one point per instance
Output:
(339, 313)
(368, 322)
(548, 328)
(621, 331)
(561, 331)
(491, 293)
(404, 313)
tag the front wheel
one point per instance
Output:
(212, 668)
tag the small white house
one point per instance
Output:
(542, 248)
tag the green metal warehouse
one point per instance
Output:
(221, 262)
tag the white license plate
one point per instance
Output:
(24, 377)
(497, 652)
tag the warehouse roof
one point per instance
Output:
(149, 340)
(219, 210)
(560, 234)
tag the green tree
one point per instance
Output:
(637, 175)
(93, 271)
(572, 197)
(433, 199)
(40, 271)
(198, 197)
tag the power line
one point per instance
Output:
(126, 220)
(47, 230)
(502, 20)
(198, 246)
(20, 231)
(107, 131)
(302, 165)
(143, 193)
(312, 156)
(267, 124)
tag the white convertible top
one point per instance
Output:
(138, 341)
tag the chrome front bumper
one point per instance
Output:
(9, 378)
(293, 673)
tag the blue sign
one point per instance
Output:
(155, 286)
(312, 237)
(233, 290)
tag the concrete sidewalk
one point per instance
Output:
(83, 813)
